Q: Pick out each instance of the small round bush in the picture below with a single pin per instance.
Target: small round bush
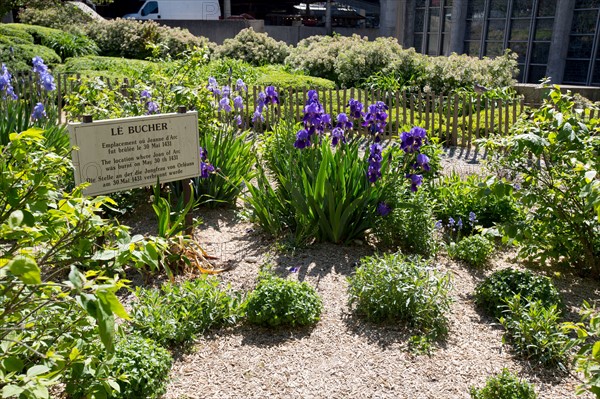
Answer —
(394, 288)
(504, 386)
(279, 302)
(255, 48)
(492, 293)
(474, 250)
(146, 365)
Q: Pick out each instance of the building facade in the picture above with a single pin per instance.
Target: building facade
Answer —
(559, 39)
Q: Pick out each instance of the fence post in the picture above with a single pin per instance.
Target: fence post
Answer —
(454, 140)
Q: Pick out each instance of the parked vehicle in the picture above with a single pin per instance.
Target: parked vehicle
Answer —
(178, 10)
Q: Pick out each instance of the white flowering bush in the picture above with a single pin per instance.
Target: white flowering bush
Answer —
(255, 48)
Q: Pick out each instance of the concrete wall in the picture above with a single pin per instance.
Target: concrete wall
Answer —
(534, 94)
(293, 34)
(217, 31)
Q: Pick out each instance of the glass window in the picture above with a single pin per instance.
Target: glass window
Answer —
(520, 75)
(418, 42)
(445, 44)
(498, 8)
(419, 20)
(519, 29)
(520, 48)
(536, 73)
(539, 53)
(496, 28)
(522, 8)
(420, 3)
(475, 9)
(576, 71)
(473, 30)
(447, 19)
(596, 75)
(580, 46)
(432, 45)
(472, 48)
(584, 21)
(543, 29)
(434, 20)
(587, 4)
(546, 8)
(493, 49)
(151, 7)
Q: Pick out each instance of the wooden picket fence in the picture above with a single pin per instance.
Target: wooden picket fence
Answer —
(456, 119)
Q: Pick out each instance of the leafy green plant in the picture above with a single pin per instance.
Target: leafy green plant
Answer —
(393, 288)
(492, 293)
(175, 313)
(554, 154)
(474, 250)
(505, 385)
(534, 331)
(587, 359)
(279, 302)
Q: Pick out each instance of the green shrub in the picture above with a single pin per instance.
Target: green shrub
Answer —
(492, 293)
(136, 39)
(474, 250)
(254, 47)
(18, 56)
(456, 197)
(175, 313)
(562, 222)
(16, 30)
(271, 75)
(65, 16)
(393, 288)
(504, 386)
(279, 302)
(534, 331)
(110, 67)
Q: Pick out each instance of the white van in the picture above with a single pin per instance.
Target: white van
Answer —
(178, 10)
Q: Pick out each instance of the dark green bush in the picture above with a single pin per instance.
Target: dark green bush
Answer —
(504, 386)
(534, 330)
(63, 43)
(111, 67)
(16, 30)
(393, 288)
(175, 313)
(19, 58)
(279, 302)
(474, 250)
(492, 293)
(274, 76)
(254, 47)
(139, 365)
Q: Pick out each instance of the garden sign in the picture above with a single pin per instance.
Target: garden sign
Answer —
(120, 154)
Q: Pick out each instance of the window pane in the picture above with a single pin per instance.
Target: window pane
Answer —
(434, 20)
(536, 73)
(580, 47)
(472, 48)
(496, 28)
(520, 29)
(473, 30)
(498, 8)
(419, 19)
(447, 19)
(546, 8)
(543, 29)
(522, 8)
(418, 43)
(493, 49)
(420, 3)
(576, 71)
(520, 75)
(539, 53)
(596, 76)
(432, 45)
(584, 21)
(520, 49)
(587, 3)
(445, 44)
(475, 9)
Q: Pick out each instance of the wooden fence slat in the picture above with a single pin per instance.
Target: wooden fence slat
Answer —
(455, 122)
(478, 116)
(470, 127)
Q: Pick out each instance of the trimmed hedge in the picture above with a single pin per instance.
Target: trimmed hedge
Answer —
(19, 59)
(109, 67)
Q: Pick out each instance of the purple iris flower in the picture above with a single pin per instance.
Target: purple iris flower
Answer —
(38, 65)
(240, 85)
(472, 217)
(459, 224)
(145, 94)
(238, 103)
(383, 209)
(238, 120)
(413, 140)
(302, 139)
(356, 108)
(258, 116)
(415, 182)
(438, 225)
(376, 119)
(423, 161)
(451, 222)
(294, 269)
(225, 91)
(337, 137)
(205, 170)
(203, 154)
(47, 81)
(5, 84)
(272, 97)
(224, 105)
(38, 112)
(343, 122)
(152, 108)
(375, 157)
